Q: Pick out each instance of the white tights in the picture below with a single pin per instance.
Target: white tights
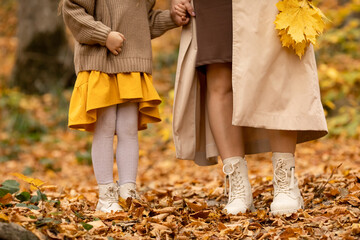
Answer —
(121, 119)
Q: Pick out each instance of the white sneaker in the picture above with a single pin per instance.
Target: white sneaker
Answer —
(287, 196)
(240, 195)
(128, 190)
(108, 198)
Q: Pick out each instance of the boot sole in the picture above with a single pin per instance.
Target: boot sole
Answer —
(284, 212)
(251, 209)
(287, 212)
(98, 208)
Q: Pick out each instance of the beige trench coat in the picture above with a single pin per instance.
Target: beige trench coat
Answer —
(272, 87)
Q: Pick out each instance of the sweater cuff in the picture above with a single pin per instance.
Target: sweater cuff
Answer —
(166, 20)
(100, 33)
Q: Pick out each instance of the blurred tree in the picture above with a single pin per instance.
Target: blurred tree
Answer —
(44, 60)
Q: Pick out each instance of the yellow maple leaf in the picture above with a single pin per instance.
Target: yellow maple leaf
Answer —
(300, 48)
(299, 23)
(286, 39)
(34, 182)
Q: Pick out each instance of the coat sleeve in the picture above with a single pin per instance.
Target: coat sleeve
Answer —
(78, 17)
(160, 21)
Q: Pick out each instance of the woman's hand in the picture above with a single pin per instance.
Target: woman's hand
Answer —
(180, 10)
(114, 42)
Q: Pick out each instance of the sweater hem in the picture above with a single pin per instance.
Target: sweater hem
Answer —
(114, 66)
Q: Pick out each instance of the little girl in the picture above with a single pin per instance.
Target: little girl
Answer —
(113, 92)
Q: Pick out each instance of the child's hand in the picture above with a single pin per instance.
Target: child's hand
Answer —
(114, 42)
(180, 11)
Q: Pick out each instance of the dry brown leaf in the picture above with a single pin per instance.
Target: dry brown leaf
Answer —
(6, 199)
(108, 216)
(159, 229)
(19, 218)
(229, 230)
(355, 228)
(197, 225)
(96, 224)
(196, 206)
(66, 228)
(351, 199)
(290, 233)
(161, 216)
(201, 214)
(165, 210)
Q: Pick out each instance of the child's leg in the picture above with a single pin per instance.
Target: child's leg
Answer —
(127, 152)
(102, 147)
(103, 160)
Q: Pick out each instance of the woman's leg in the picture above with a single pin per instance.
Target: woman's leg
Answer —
(102, 151)
(287, 196)
(228, 138)
(127, 151)
(282, 141)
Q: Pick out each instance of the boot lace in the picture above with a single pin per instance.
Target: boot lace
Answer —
(236, 186)
(281, 178)
(134, 194)
(111, 195)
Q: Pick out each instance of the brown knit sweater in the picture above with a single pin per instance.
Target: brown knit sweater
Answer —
(90, 21)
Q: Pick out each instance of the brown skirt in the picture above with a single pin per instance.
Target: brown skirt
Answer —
(213, 31)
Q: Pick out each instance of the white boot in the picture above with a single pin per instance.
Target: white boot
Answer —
(108, 198)
(287, 196)
(240, 195)
(128, 190)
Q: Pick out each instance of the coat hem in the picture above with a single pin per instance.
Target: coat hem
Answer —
(281, 122)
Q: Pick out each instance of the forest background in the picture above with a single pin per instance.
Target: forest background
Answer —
(47, 183)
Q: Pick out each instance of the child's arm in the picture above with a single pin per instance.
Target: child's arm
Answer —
(78, 16)
(160, 21)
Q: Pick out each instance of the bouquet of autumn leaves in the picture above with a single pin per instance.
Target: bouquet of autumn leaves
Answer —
(299, 23)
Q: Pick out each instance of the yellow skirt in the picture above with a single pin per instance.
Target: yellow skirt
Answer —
(94, 90)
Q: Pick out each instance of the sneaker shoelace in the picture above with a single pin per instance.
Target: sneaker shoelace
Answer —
(281, 178)
(236, 188)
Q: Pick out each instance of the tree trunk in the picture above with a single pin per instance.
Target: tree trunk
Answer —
(44, 61)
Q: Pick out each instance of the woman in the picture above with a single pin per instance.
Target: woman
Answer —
(262, 98)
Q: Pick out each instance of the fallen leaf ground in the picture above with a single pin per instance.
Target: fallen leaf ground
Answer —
(180, 200)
